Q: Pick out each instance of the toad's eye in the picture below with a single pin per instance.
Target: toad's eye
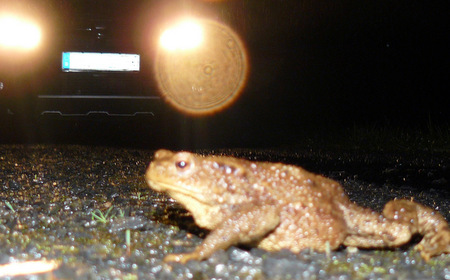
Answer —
(181, 164)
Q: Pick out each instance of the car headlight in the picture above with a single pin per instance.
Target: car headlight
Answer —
(186, 35)
(18, 33)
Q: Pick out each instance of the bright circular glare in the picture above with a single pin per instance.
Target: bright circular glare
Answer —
(206, 79)
(18, 33)
(184, 36)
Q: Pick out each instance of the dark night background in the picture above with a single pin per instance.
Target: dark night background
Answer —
(343, 63)
(316, 68)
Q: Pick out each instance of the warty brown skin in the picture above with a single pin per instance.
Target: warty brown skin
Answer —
(276, 206)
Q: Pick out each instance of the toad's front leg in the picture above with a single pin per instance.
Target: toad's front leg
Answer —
(243, 226)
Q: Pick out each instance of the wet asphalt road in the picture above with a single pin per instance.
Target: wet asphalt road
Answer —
(89, 209)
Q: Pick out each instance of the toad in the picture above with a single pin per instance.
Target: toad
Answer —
(276, 206)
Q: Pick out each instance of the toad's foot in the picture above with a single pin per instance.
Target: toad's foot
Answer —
(434, 244)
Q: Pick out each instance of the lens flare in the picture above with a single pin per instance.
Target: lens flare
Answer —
(186, 35)
(205, 77)
(18, 33)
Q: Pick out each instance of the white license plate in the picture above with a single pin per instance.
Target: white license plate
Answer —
(95, 61)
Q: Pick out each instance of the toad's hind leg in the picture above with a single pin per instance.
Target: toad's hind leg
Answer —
(369, 229)
(400, 220)
(424, 221)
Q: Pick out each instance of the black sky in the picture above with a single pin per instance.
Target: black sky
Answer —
(371, 59)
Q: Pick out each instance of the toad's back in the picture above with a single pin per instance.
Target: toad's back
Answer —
(287, 184)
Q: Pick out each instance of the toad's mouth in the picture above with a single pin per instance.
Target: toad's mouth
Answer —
(175, 191)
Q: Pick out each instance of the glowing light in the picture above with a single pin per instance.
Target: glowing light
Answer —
(184, 36)
(18, 33)
(205, 79)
